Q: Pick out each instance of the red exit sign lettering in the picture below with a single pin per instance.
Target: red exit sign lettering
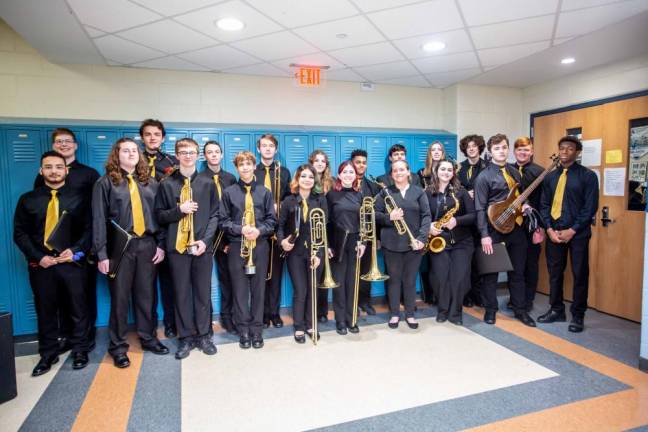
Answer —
(308, 76)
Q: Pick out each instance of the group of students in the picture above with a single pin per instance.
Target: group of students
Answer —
(179, 222)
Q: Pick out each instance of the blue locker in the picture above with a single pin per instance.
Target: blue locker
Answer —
(133, 134)
(98, 146)
(234, 143)
(201, 138)
(170, 139)
(419, 153)
(377, 161)
(327, 143)
(348, 144)
(295, 151)
(450, 145)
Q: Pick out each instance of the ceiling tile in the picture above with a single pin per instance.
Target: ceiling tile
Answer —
(374, 5)
(444, 79)
(168, 36)
(382, 52)
(315, 59)
(93, 32)
(343, 75)
(205, 20)
(172, 63)
(587, 20)
(418, 19)
(174, 7)
(387, 70)
(358, 31)
(219, 57)
(558, 41)
(294, 13)
(413, 81)
(455, 40)
(580, 4)
(111, 16)
(447, 63)
(498, 56)
(479, 12)
(258, 69)
(275, 46)
(513, 32)
(124, 51)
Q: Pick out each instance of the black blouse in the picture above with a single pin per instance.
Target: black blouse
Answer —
(289, 207)
(441, 203)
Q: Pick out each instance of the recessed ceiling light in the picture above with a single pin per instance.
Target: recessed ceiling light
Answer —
(230, 24)
(568, 60)
(341, 35)
(433, 46)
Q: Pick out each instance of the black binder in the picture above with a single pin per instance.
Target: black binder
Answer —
(498, 261)
(118, 241)
(60, 237)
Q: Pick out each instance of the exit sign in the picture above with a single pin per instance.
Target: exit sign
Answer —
(308, 76)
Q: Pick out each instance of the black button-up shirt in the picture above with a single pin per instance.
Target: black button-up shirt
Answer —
(368, 187)
(233, 207)
(464, 168)
(164, 164)
(530, 172)
(441, 203)
(491, 187)
(284, 179)
(287, 221)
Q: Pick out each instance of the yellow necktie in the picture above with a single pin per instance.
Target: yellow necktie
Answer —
(304, 209)
(511, 184)
(267, 183)
(185, 225)
(152, 165)
(249, 206)
(470, 172)
(136, 205)
(218, 186)
(520, 169)
(51, 218)
(556, 205)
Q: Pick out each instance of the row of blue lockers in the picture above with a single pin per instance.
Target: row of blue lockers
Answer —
(23, 145)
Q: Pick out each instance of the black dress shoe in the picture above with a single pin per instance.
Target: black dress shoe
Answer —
(184, 348)
(441, 317)
(245, 342)
(206, 345)
(323, 319)
(393, 325)
(266, 322)
(44, 365)
(156, 348)
(79, 360)
(300, 339)
(468, 302)
(121, 361)
(257, 342)
(552, 316)
(277, 322)
(354, 329)
(341, 329)
(525, 318)
(457, 322)
(412, 325)
(309, 333)
(576, 325)
(490, 317)
(170, 332)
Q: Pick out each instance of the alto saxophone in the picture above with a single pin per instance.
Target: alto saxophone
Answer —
(437, 244)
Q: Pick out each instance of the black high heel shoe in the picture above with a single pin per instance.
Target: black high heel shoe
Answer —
(300, 339)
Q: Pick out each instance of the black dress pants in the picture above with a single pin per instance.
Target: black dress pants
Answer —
(192, 282)
(344, 274)
(65, 315)
(300, 275)
(135, 279)
(225, 286)
(248, 291)
(452, 268)
(578, 249)
(474, 282)
(516, 245)
(322, 298)
(531, 271)
(273, 286)
(50, 285)
(402, 268)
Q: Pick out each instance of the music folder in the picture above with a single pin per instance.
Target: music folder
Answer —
(118, 241)
(60, 237)
(498, 261)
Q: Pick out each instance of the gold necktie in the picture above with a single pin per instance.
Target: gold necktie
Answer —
(218, 186)
(511, 184)
(249, 206)
(185, 225)
(136, 205)
(470, 172)
(556, 205)
(304, 209)
(520, 169)
(51, 218)
(152, 165)
(267, 183)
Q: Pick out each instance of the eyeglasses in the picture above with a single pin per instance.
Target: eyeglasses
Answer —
(64, 141)
(187, 153)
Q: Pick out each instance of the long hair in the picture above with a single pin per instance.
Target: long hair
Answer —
(338, 183)
(294, 183)
(325, 178)
(430, 164)
(113, 169)
(454, 181)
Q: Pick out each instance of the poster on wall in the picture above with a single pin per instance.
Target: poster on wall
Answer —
(638, 164)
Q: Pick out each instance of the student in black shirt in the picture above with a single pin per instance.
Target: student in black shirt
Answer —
(396, 152)
(344, 202)
(53, 271)
(451, 266)
(221, 180)
(160, 165)
(246, 195)
(493, 185)
(368, 189)
(125, 195)
(435, 154)
(265, 173)
(568, 204)
(81, 178)
(187, 207)
(298, 250)
(402, 254)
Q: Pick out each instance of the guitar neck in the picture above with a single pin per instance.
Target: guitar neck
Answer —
(529, 190)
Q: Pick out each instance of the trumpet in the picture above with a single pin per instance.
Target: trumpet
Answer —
(276, 194)
(247, 246)
(436, 244)
(401, 225)
(186, 224)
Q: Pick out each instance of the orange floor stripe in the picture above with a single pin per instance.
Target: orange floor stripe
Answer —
(109, 399)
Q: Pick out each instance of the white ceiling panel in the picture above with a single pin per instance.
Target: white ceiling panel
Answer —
(498, 56)
(175, 7)
(168, 36)
(172, 63)
(275, 46)
(296, 13)
(205, 21)
(418, 19)
(259, 69)
(343, 75)
(444, 79)
(480, 12)
(413, 81)
(219, 57)
(587, 20)
(455, 40)
(513, 32)
(580, 4)
(387, 71)
(314, 59)
(358, 31)
(382, 52)
(558, 41)
(374, 5)
(447, 63)
(111, 16)
(93, 32)
(123, 51)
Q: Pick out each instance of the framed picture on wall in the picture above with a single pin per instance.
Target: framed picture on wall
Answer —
(637, 164)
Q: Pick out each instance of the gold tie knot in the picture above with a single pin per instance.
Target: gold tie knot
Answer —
(54, 192)
(151, 160)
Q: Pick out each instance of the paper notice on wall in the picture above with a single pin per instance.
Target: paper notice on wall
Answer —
(591, 154)
(613, 156)
(614, 181)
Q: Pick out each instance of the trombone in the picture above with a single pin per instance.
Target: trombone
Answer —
(247, 246)
(276, 194)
